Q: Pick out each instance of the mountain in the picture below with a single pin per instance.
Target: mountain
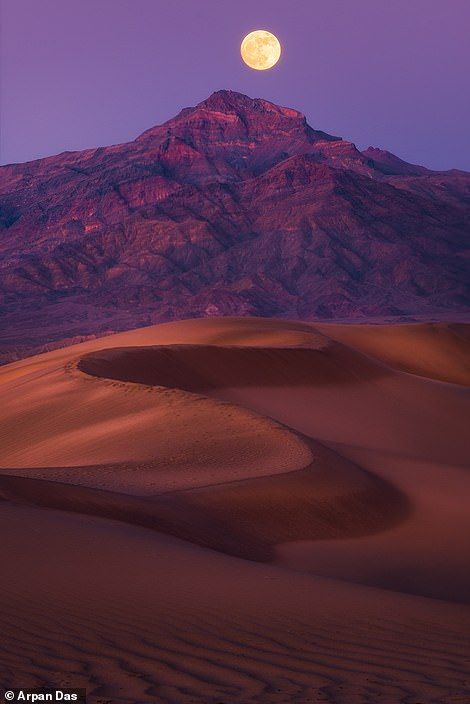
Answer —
(234, 207)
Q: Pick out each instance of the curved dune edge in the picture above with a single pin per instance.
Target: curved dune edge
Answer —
(233, 331)
(203, 368)
(68, 426)
(247, 518)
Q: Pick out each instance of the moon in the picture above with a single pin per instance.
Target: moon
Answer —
(260, 50)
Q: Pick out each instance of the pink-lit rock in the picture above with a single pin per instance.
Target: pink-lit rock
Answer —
(235, 207)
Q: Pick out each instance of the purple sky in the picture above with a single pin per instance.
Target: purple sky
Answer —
(387, 73)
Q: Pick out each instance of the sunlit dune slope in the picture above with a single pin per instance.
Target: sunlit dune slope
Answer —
(53, 416)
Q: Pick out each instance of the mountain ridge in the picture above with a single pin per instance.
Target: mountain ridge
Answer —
(233, 207)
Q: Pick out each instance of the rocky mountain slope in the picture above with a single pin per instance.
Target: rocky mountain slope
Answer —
(234, 207)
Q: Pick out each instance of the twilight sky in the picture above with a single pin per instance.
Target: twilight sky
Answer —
(387, 73)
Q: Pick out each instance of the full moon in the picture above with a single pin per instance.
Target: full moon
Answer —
(260, 50)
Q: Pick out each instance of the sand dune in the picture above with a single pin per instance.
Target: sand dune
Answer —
(240, 510)
(140, 441)
(435, 350)
(409, 431)
(331, 498)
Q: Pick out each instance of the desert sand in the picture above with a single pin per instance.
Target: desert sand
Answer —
(240, 510)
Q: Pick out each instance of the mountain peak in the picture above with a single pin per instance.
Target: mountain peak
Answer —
(229, 101)
(252, 115)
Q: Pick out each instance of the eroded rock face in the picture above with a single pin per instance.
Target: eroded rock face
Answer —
(234, 207)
